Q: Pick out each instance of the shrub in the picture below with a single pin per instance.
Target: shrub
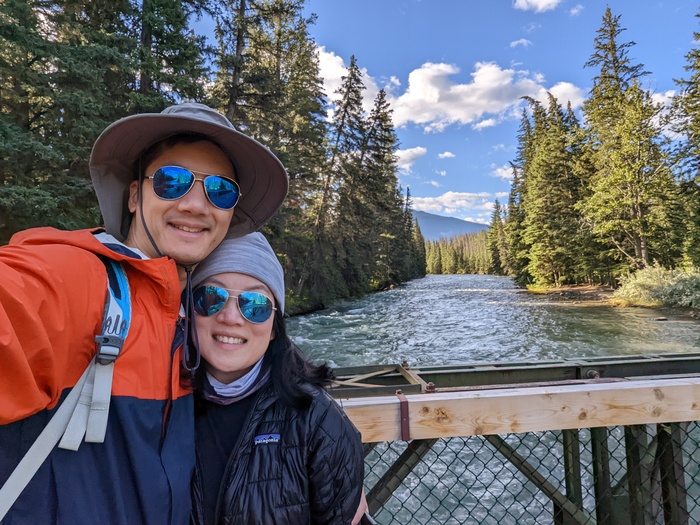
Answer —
(656, 286)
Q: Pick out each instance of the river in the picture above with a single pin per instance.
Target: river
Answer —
(456, 319)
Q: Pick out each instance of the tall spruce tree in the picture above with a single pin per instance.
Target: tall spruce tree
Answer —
(339, 251)
(631, 189)
(384, 204)
(169, 57)
(58, 61)
(497, 242)
(550, 223)
(518, 253)
(687, 124)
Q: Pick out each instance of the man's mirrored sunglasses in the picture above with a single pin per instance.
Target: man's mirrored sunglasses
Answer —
(173, 182)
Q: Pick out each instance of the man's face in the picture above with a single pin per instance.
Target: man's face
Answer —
(187, 229)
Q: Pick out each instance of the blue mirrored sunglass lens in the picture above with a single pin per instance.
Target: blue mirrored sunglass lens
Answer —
(255, 307)
(172, 182)
(222, 192)
(208, 300)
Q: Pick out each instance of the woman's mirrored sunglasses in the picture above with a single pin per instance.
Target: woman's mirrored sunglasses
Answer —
(173, 182)
(254, 306)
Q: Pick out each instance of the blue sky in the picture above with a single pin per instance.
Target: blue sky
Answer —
(455, 71)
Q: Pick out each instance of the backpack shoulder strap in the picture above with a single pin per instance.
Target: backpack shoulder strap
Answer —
(84, 411)
(89, 419)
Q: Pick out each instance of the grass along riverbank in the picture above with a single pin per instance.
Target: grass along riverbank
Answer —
(656, 286)
(653, 287)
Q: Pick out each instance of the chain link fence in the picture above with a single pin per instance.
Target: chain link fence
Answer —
(634, 475)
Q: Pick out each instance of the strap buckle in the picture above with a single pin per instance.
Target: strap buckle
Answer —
(108, 348)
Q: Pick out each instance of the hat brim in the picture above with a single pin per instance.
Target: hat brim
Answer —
(261, 176)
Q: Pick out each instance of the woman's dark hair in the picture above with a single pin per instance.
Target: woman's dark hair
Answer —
(289, 367)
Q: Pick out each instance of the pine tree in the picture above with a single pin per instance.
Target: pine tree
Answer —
(518, 255)
(57, 62)
(687, 123)
(496, 241)
(632, 186)
(347, 139)
(384, 213)
(551, 222)
(169, 56)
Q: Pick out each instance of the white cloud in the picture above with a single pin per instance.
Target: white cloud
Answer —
(446, 155)
(521, 42)
(442, 173)
(664, 98)
(434, 101)
(538, 6)
(576, 10)
(331, 68)
(434, 183)
(567, 92)
(453, 203)
(502, 172)
(407, 157)
(486, 123)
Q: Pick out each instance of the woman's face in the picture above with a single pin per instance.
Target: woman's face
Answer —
(229, 343)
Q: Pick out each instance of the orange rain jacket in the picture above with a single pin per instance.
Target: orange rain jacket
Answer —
(52, 297)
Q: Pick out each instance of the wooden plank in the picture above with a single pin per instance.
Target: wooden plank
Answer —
(501, 411)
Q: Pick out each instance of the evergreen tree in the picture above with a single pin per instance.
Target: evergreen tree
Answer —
(347, 140)
(384, 206)
(169, 58)
(687, 123)
(56, 60)
(341, 201)
(518, 255)
(496, 242)
(550, 222)
(632, 185)
(419, 255)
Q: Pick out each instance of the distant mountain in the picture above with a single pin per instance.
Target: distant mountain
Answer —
(435, 226)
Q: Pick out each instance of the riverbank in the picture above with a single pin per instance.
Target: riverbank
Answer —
(598, 295)
(594, 295)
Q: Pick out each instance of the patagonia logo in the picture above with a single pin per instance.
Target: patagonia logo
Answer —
(266, 438)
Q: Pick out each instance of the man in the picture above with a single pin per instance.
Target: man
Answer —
(171, 186)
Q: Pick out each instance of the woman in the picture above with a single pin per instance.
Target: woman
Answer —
(272, 446)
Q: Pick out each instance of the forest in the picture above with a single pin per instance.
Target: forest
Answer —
(596, 198)
(69, 68)
(598, 192)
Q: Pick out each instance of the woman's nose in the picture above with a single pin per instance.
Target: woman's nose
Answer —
(230, 314)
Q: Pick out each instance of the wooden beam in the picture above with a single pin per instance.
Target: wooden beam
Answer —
(517, 410)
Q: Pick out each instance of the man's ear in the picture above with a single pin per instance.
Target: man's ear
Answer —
(133, 196)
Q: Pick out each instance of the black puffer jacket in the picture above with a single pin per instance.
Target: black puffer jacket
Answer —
(290, 466)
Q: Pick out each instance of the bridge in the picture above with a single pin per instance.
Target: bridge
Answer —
(610, 440)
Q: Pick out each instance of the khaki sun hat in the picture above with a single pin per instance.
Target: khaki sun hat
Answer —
(260, 175)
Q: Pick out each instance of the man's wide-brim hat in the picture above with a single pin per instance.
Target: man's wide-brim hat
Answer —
(114, 164)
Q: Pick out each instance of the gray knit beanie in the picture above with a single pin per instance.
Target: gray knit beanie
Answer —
(251, 255)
